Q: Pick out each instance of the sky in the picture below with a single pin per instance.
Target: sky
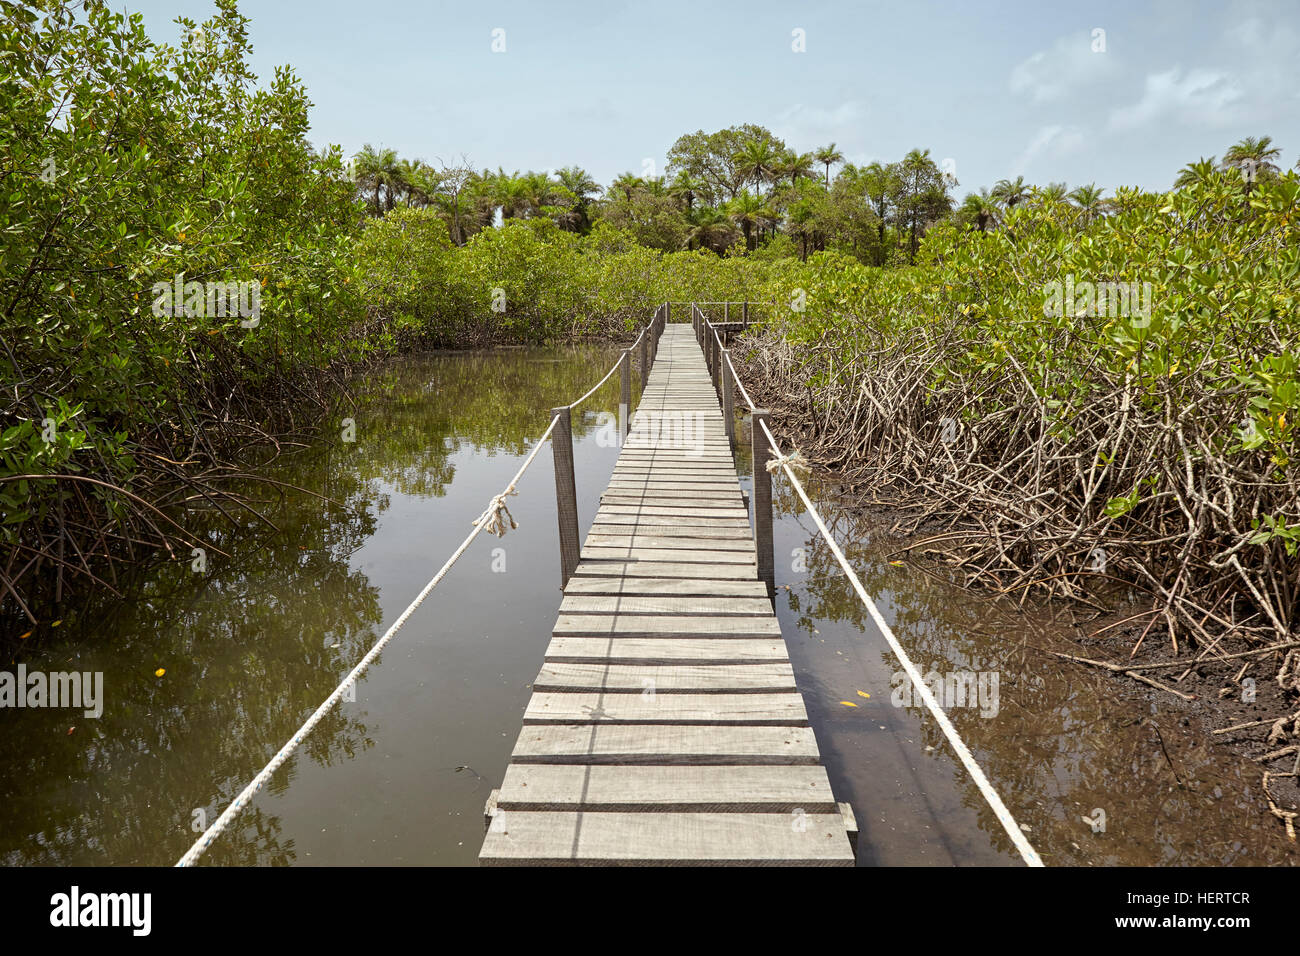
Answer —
(1121, 93)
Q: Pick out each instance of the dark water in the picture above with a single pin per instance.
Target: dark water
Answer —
(251, 645)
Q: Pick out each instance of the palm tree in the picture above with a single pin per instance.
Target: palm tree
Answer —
(539, 193)
(796, 165)
(686, 188)
(828, 156)
(1253, 153)
(380, 172)
(578, 183)
(627, 183)
(1090, 202)
(1009, 192)
(748, 211)
(1196, 173)
(981, 209)
(757, 161)
(507, 192)
(710, 229)
(1049, 195)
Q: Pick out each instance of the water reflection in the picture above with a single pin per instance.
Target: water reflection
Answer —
(1063, 743)
(252, 645)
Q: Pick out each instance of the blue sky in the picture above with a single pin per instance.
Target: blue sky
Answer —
(998, 89)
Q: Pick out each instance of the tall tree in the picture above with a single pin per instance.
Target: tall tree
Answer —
(579, 185)
(1011, 192)
(1090, 202)
(829, 156)
(379, 172)
(757, 161)
(1254, 156)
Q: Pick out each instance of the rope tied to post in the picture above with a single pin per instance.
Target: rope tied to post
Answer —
(795, 461)
(496, 516)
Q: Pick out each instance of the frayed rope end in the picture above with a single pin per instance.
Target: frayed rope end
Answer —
(795, 460)
(497, 516)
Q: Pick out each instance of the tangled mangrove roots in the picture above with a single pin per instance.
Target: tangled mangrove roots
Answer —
(80, 523)
(1025, 502)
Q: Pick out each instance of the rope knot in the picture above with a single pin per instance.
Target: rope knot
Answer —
(795, 460)
(497, 516)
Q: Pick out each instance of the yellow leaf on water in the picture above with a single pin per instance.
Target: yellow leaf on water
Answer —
(56, 623)
(863, 693)
(159, 672)
(897, 564)
(23, 637)
(848, 703)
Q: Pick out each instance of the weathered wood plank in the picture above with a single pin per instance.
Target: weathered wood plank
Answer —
(618, 568)
(560, 677)
(637, 553)
(665, 625)
(719, 539)
(678, 789)
(666, 650)
(715, 606)
(679, 587)
(711, 839)
(606, 744)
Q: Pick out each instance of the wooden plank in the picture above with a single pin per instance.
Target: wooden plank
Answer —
(715, 606)
(710, 505)
(666, 839)
(665, 625)
(625, 553)
(683, 524)
(677, 789)
(680, 587)
(561, 677)
(764, 710)
(663, 569)
(612, 744)
(715, 540)
(666, 650)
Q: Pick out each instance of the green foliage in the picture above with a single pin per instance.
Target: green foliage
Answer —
(128, 164)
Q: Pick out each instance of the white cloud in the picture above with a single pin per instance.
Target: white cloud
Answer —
(1201, 97)
(1053, 142)
(1068, 64)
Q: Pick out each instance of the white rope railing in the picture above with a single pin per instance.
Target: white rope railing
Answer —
(1027, 852)
(622, 358)
(493, 520)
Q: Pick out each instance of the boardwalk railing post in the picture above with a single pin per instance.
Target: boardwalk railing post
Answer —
(566, 493)
(744, 314)
(728, 400)
(763, 503)
(625, 395)
(717, 362)
(645, 359)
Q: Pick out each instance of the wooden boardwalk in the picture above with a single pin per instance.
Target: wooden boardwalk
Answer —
(665, 726)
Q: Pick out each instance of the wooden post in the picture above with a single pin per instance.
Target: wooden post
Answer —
(744, 314)
(763, 502)
(726, 312)
(716, 349)
(728, 400)
(625, 394)
(566, 494)
(645, 361)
